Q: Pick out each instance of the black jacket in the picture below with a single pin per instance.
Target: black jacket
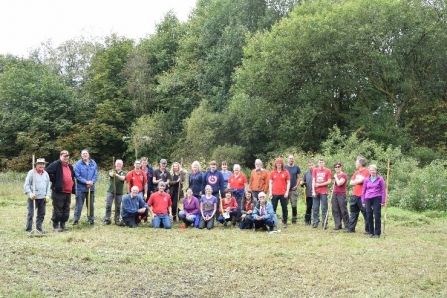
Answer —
(54, 169)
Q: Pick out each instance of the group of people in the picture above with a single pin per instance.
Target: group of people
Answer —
(212, 196)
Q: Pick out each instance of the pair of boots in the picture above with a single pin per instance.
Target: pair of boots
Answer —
(59, 228)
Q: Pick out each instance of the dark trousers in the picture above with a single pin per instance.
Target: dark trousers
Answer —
(209, 224)
(110, 198)
(308, 216)
(374, 215)
(132, 221)
(61, 207)
(41, 208)
(263, 223)
(283, 202)
(340, 210)
(355, 207)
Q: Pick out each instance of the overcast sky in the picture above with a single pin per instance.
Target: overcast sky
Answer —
(25, 24)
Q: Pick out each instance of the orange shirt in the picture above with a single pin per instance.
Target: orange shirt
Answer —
(259, 180)
(279, 181)
(358, 188)
(237, 183)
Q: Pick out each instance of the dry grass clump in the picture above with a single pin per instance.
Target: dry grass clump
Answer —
(109, 261)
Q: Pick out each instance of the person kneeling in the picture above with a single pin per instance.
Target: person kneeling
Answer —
(228, 209)
(263, 214)
(208, 207)
(160, 207)
(190, 208)
(133, 208)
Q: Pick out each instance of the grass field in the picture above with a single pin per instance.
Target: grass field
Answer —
(109, 261)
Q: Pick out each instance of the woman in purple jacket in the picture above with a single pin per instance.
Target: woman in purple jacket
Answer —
(373, 198)
(191, 208)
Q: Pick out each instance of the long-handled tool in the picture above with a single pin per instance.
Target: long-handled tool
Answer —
(114, 187)
(386, 193)
(88, 203)
(327, 212)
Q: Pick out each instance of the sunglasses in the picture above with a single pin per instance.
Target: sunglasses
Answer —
(337, 167)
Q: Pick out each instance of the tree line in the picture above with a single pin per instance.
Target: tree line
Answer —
(241, 79)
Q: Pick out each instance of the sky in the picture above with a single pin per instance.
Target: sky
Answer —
(25, 24)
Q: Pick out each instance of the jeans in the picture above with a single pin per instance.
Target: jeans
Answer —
(187, 219)
(355, 207)
(374, 214)
(283, 202)
(233, 215)
(81, 197)
(316, 208)
(109, 202)
(161, 219)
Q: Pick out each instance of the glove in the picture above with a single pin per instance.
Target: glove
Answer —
(145, 197)
(47, 198)
(32, 196)
(112, 174)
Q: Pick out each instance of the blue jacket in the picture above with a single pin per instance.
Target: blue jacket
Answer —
(215, 180)
(84, 173)
(195, 183)
(270, 214)
(131, 205)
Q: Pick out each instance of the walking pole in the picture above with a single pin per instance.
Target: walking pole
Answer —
(88, 203)
(386, 193)
(34, 229)
(114, 186)
(327, 212)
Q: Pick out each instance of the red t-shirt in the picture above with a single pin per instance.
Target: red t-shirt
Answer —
(160, 202)
(279, 182)
(134, 179)
(232, 204)
(237, 183)
(358, 188)
(341, 190)
(320, 176)
(67, 179)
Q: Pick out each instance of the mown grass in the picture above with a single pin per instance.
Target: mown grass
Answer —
(109, 261)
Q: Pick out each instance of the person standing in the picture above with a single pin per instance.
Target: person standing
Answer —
(175, 187)
(279, 185)
(133, 208)
(225, 173)
(137, 177)
(338, 200)
(160, 207)
(237, 183)
(307, 183)
(321, 178)
(195, 179)
(63, 184)
(295, 173)
(115, 192)
(37, 188)
(162, 175)
(355, 205)
(214, 178)
(373, 198)
(147, 168)
(86, 173)
(259, 179)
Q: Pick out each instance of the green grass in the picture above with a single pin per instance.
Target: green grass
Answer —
(109, 261)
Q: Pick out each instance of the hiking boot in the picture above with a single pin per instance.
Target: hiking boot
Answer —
(57, 229)
(315, 225)
(91, 222)
(284, 226)
(121, 224)
(107, 222)
(63, 227)
(75, 222)
(41, 231)
(348, 231)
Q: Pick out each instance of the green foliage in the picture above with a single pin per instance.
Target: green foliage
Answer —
(231, 154)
